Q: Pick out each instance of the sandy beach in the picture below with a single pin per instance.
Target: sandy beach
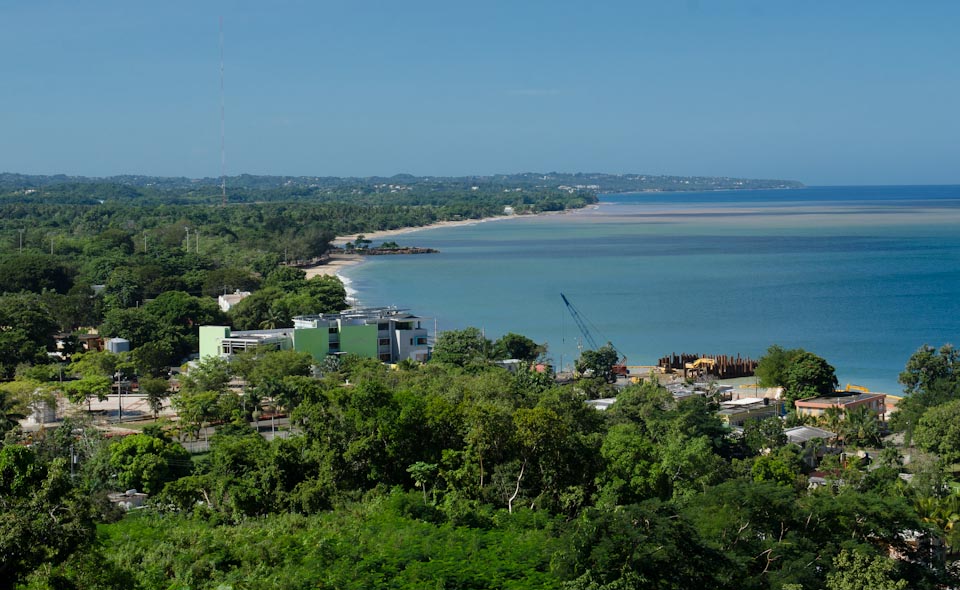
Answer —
(340, 261)
(379, 236)
(333, 266)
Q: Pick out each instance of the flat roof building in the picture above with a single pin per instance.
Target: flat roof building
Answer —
(387, 334)
(817, 406)
(736, 413)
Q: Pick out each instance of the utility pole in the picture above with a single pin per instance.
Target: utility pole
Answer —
(188, 238)
(21, 239)
(198, 240)
(119, 399)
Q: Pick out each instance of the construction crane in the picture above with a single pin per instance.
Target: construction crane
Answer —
(620, 368)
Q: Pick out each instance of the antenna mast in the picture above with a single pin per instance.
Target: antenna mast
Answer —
(223, 142)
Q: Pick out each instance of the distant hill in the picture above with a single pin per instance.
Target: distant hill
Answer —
(580, 181)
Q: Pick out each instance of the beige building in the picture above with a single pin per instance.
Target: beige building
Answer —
(817, 406)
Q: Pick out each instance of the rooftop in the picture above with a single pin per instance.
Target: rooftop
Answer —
(839, 399)
(802, 434)
(361, 313)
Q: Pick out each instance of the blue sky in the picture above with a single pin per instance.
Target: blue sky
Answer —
(821, 92)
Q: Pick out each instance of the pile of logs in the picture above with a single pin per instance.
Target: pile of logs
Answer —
(726, 367)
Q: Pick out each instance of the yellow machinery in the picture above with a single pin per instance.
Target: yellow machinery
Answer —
(699, 366)
(851, 387)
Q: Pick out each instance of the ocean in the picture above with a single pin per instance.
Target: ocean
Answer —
(860, 275)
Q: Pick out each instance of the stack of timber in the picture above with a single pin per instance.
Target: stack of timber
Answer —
(725, 367)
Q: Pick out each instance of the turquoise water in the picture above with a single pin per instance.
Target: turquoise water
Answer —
(859, 275)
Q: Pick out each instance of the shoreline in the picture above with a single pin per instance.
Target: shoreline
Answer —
(341, 261)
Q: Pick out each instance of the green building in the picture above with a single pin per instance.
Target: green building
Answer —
(383, 333)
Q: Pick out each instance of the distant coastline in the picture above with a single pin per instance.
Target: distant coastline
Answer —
(340, 261)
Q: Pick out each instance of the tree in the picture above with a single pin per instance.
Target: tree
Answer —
(251, 312)
(772, 367)
(44, 518)
(861, 427)
(197, 408)
(326, 294)
(133, 324)
(88, 387)
(931, 377)
(286, 278)
(855, 570)
(11, 412)
(209, 374)
(808, 375)
(462, 347)
(123, 288)
(156, 390)
(932, 373)
(34, 272)
(227, 280)
(278, 364)
(599, 363)
(16, 348)
(182, 313)
(515, 346)
(628, 476)
(938, 431)
(764, 434)
(26, 331)
(146, 463)
(153, 359)
(422, 474)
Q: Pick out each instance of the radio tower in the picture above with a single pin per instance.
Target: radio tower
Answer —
(223, 141)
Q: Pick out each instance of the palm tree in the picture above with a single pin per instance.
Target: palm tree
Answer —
(832, 420)
(943, 515)
(273, 320)
(861, 427)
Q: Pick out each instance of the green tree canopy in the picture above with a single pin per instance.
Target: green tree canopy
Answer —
(599, 363)
(34, 272)
(462, 347)
(931, 377)
(515, 346)
(808, 375)
(938, 431)
(772, 367)
(146, 463)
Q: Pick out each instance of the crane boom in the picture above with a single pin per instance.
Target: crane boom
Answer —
(620, 368)
(580, 323)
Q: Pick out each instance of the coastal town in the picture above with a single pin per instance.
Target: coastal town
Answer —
(269, 394)
(480, 296)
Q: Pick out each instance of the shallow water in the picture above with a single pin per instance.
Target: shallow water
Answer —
(859, 275)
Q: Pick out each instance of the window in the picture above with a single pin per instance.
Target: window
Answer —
(384, 342)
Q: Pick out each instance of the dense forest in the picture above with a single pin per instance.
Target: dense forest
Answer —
(457, 473)
(142, 261)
